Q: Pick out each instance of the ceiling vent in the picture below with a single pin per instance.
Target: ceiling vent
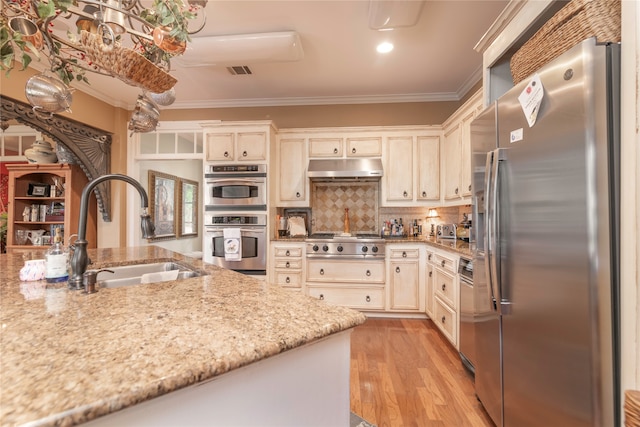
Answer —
(389, 14)
(207, 51)
(239, 70)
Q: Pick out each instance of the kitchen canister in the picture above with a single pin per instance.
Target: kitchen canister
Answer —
(34, 269)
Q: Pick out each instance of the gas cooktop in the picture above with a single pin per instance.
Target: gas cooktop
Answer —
(359, 245)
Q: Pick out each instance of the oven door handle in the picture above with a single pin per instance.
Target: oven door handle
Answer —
(238, 180)
(242, 230)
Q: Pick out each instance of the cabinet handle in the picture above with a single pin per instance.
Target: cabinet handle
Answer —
(368, 298)
(457, 190)
(353, 150)
(431, 274)
(397, 269)
(322, 297)
(287, 264)
(424, 194)
(429, 257)
(444, 286)
(469, 187)
(442, 263)
(368, 273)
(322, 271)
(298, 194)
(288, 280)
(405, 194)
(244, 154)
(335, 151)
(404, 254)
(287, 253)
(226, 154)
(443, 319)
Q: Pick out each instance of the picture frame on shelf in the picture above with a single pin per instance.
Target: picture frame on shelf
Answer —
(163, 197)
(188, 206)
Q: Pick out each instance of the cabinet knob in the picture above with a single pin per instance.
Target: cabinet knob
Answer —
(397, 269)
(288, 280)
(469, 187)
(429, 257)
(287, 264)
(368, 298)
(424, 194)
(335, 151)
(431, 274)
(444, 286)
(368, 273)
(353, 150)
(405, 194)
(298, 194)
(322, 297)
(457, 190)
(244, 154)
(442, 263)
(443, 319)
(322, 271)
(404, 254)
(287, 253)
(226, 154)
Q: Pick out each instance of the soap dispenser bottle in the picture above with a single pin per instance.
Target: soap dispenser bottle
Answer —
(57, 259)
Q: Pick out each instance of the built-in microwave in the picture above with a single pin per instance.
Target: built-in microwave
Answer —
(236, 187)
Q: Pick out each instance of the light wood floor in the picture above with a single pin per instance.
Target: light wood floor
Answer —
(404, 373)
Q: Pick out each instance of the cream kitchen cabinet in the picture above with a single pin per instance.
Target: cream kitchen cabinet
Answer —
(446, 294)
(326, 147)
(411, 163)
(405, 281)
(358, 284)
(287, 264)
(428, 278)
(292, 182)
(457, 150)
(364, 146)
(238, 141)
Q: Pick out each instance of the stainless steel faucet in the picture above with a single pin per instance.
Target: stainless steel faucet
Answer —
(80, 259)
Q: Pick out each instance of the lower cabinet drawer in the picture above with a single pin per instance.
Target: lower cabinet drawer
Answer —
(444, 285)
(294, 264)
(445, 319)
(361, 298)
(288, 278)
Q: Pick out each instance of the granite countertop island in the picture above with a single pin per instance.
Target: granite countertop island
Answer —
(67, 357)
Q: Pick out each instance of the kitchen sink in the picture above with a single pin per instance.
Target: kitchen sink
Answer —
(127, 275)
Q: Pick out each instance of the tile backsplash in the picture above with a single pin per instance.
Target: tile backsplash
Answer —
(329, 200)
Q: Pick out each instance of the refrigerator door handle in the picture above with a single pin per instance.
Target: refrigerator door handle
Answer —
(488, 229)
(500, 305)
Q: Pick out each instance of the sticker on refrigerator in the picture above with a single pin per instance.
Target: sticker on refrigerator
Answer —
(516, 135)
(531, 98)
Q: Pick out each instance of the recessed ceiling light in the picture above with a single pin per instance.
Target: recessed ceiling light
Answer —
(384, 47)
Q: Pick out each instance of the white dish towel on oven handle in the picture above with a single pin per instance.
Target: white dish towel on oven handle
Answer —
(232, 244)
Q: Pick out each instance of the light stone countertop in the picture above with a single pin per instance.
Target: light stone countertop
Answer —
(67, 357)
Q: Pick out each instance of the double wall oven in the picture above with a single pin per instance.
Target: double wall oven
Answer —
(236, 199)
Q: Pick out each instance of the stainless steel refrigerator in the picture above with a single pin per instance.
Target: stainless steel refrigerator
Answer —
(545, 162)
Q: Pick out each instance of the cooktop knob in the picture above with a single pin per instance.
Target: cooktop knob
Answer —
(365, 249)
(374, 249)
(315, 248)
(325, 248)
(340, 248)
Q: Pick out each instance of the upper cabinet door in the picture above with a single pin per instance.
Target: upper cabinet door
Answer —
(219, 147)
(452, 164)
(292, 177)
(465, 149)
(398, 174)
(326, 147)
(364, 147)
(428, 168)
(252, 146)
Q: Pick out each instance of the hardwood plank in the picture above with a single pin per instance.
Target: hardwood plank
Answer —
(404, 373)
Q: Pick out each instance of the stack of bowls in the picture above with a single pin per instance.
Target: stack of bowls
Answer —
(41, 152)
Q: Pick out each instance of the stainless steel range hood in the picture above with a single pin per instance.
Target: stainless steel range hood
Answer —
(343, 169)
